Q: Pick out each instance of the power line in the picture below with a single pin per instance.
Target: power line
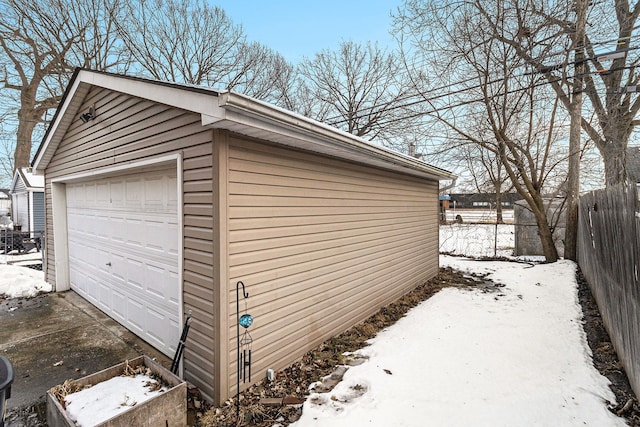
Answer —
(467, 102)
(564, 52)
(361, 114)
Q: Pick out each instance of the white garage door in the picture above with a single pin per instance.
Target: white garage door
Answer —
(123, 251)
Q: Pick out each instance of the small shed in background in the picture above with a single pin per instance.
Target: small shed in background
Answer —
(27, 201)
(527, 239)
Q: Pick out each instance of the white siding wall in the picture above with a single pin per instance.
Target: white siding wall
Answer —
(20, 210)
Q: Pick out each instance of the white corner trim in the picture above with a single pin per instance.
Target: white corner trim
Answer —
(180, 214)
(31, 213)
(60, 235)
(63, 109)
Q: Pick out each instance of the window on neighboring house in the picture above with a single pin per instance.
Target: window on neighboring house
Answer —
(506, 204)
(480, 204)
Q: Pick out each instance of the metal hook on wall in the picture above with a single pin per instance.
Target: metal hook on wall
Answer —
(244, 356)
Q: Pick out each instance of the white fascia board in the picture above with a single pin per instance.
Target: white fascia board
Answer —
(198, 100)
(248, 111)
(14, 181)
(50, 136)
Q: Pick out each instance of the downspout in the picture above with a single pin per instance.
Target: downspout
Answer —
(443, 212)
(450, 186)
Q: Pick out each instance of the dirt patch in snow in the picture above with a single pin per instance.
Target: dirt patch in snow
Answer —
(605, 358)
(293, 383)
(262, 404)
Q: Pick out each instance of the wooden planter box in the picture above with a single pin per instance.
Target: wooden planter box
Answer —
(166, 409)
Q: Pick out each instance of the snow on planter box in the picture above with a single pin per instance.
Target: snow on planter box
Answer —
(139, 392)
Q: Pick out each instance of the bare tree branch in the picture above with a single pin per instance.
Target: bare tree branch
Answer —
(41, 42)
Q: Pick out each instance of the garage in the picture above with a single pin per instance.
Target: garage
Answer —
(322, 227)
(123, 251)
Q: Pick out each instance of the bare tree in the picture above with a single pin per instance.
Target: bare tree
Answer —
(6, 153)
(606, 61)
(182, 40)
(496, 107)
(192, 42)
(41, 42)
(358, 89)
(488, 174)
(603, 67)
(263, 74)
(6, 163)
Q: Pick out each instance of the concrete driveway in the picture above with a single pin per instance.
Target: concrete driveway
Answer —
(54, 337)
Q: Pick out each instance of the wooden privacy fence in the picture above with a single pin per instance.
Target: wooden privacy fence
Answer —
(608, 233)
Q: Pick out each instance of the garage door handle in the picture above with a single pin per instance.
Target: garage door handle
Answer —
(109, 264)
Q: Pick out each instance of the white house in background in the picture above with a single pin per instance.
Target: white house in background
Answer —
(27, 201)
(5, 202)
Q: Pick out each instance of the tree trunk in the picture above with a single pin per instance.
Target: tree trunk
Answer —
(615, 164)
(26, 125)
(573, 181)
(544, 230)
(499, 218)
(546, 238)
(575, 128)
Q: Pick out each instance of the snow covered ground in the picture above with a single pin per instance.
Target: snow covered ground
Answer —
(511, 357)
(19, 281)
(109, 398)
(517, 356)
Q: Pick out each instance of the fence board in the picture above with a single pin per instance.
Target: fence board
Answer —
(608, 236)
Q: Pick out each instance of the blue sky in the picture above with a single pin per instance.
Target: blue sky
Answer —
(302, 28)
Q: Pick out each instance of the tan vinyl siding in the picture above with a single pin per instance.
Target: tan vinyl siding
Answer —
(198, 230)
(129, 129)
(321, 245)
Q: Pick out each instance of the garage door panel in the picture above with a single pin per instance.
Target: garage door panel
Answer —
(100, 224)
(102, 194)
(123, 251)
(157, 236)
(80, 285)
(135, 233)
(132, 192)
(118, 307)
(136, 315)
(90, 194)
(154, 194)
(91, 287)
(136, 276)
(105, 296)
(117, 194)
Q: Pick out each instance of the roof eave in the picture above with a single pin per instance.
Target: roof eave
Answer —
(235, 112)
(288, 128)
(198, 100)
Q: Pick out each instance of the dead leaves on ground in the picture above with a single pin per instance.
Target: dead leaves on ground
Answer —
(319, 363)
